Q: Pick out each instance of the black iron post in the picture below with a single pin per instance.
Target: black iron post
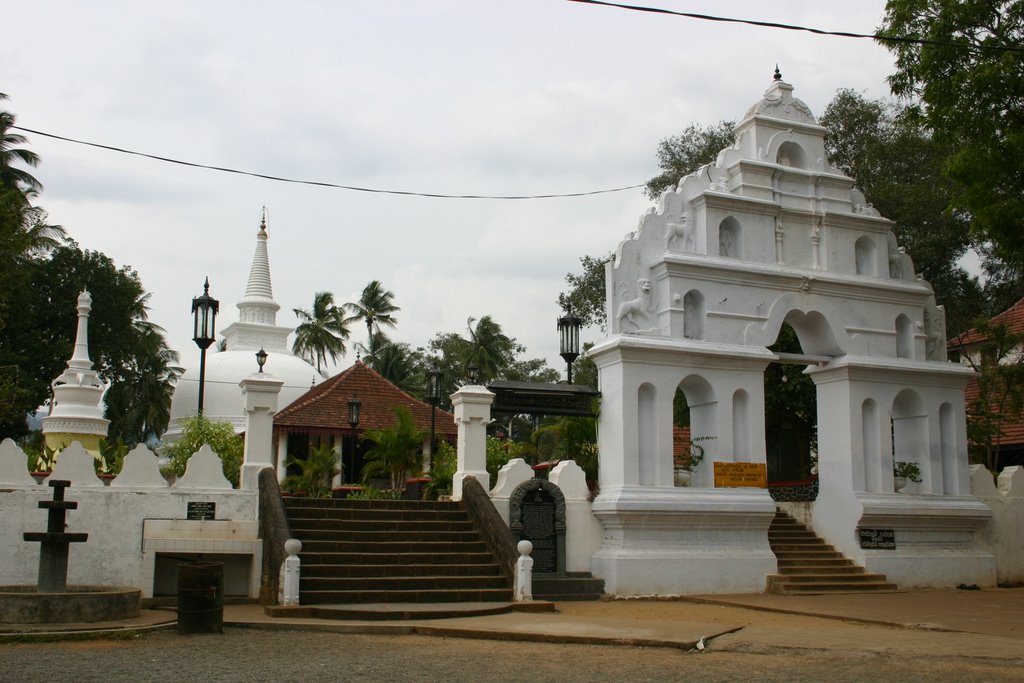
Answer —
(569, 341)
(204, 320)
(353, 422)
(433, 396)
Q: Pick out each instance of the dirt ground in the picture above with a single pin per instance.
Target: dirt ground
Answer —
(767, 647)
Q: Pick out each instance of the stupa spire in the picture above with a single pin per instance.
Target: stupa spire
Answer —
(259, 286)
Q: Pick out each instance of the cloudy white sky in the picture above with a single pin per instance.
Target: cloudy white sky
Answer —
(444, 96)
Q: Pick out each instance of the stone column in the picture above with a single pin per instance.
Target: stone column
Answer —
(472, 407)
(259, 393)
(282, 455)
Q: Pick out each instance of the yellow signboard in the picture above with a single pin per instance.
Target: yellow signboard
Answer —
(737, 474)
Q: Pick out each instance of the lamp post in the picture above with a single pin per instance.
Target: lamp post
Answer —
(433, 396)
(204, 318)
(569, 340)
(473, 373)
(261, 358)
(353, 422)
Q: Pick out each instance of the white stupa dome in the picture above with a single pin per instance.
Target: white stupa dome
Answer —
(256, 329)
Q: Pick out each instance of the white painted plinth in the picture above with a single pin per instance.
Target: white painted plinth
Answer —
(670, 541)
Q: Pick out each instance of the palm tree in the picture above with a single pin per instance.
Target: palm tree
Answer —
(374, 308)
(322, 332)
(490, 349)
(396, 451)
(398, 363)
(11, 177)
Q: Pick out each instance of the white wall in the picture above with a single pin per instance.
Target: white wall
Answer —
(1004, 534)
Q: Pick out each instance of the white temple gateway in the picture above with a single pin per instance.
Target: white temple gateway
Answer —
(256, 328)
(768, 234)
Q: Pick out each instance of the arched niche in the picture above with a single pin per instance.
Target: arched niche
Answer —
(730, 238)
(865, 256)
(694, 315)
(536, 512)
(791, 154)
(904, 336)
(909, 428)
(741, 438)
(647, 434)
(947, 448)
(871, 437)
(702, 406)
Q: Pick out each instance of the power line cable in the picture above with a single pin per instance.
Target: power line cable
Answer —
(794, 27)
(316, 183)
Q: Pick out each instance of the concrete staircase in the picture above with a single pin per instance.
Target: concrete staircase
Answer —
(809, 566)
(392, 551)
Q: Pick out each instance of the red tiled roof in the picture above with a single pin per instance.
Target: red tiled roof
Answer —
(324, 408)
(1012, 432)
(1012, 318)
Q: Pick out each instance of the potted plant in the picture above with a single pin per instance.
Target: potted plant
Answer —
(904, 471)
(683, 470)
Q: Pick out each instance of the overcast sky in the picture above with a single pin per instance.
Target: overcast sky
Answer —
(442, 96)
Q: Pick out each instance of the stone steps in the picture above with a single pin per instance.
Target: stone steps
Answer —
(392, 552)
(808, 565)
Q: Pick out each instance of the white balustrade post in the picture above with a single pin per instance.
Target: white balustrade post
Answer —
(259, 393)
(292, 571)
(472, 407)
(524, 572)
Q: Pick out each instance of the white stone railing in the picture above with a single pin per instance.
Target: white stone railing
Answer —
(1004, 534)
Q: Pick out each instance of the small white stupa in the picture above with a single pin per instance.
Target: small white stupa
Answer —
(256, 329)
(77, 413)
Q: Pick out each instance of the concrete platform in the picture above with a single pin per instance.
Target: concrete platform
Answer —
(993, 614)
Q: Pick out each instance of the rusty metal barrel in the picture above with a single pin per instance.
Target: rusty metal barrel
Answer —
(201, 597)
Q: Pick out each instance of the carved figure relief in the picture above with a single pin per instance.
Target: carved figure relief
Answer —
(681, 233)
(633, 314)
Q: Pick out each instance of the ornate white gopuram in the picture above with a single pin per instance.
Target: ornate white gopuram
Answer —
(770, 233)
(77, 413)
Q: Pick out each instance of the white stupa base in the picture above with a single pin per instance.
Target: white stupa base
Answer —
(672, 541)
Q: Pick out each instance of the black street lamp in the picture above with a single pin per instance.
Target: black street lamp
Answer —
(473, 373)
(569, 340)
(261, 358)
(433, 396)
(353, 422)
(204, 319)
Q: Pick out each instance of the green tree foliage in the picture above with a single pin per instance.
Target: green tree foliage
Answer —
(998, 360)
(681, 155)
(197, 431)
(315, 472)
(322, 331)
(400, 364)
(11, 176)
(971, 95)
(395, 452)
(899, 164)
(570, 438)
(496, 355)
(586, 295)
(375, 308)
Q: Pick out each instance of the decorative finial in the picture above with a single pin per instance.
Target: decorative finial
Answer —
(263, 219)
(778, 74)
(206, 285)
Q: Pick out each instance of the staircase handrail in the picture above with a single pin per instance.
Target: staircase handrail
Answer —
(274, 530)
(493, 530)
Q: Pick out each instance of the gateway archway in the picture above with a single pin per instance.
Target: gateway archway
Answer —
(768, 235)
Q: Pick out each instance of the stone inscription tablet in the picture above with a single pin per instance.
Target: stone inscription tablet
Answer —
(877, 539)
(538, 518)
(201, 510)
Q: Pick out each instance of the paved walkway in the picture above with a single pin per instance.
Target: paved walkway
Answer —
(947, 622)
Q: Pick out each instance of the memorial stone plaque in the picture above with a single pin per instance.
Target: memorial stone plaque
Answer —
(201, 510)
(537, 515)
(877, 539)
